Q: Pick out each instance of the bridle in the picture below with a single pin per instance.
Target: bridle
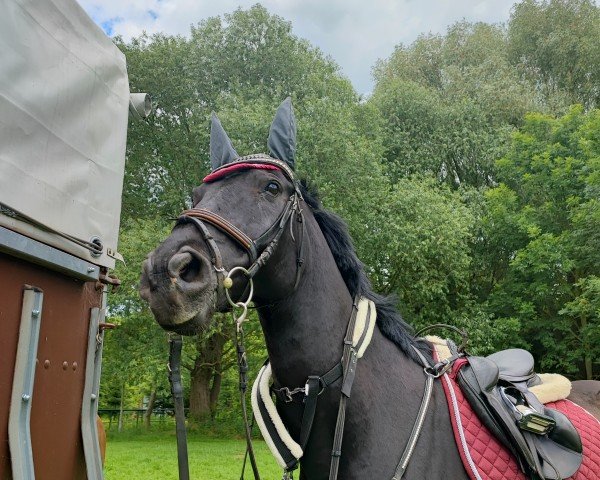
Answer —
(259, 251)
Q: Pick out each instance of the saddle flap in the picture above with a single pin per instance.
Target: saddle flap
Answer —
(561, 452)
(477, 399)
(485, 371)
(564, 433)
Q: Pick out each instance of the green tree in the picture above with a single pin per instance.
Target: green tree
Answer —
(544, 219)
(135, 353)
(245, 59)
(556, 44)
(424, 134)
(448, 103)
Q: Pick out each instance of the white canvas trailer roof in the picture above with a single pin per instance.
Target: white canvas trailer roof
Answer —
(64, 98)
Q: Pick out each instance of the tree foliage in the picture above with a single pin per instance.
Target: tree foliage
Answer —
(447, 104)
(556, 43)
(549, 197)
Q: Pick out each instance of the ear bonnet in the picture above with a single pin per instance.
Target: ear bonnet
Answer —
(281, 142)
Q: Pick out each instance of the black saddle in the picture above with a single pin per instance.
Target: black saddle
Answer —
(544, 441)
(514, 365)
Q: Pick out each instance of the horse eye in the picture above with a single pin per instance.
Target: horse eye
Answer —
(273, 188)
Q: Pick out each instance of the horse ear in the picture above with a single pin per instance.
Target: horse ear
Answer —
(282, 135)
(221, 149)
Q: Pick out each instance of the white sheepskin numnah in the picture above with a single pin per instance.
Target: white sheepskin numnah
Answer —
(441, 347)
(554, 387)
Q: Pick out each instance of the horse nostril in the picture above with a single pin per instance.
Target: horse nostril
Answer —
(190, 272)
(184, 265)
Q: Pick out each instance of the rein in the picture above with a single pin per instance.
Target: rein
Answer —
(174, 367)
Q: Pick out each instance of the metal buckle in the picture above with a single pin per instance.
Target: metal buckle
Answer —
(438, 369)
(288, 475)
(287, 393)
(307, 388)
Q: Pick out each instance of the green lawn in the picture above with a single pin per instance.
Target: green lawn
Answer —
(154, 457)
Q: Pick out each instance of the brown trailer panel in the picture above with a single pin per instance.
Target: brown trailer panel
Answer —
(60, 365)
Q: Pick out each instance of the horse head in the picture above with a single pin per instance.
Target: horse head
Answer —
(240, 212)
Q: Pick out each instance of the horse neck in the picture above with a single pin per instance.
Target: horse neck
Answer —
(304, 333)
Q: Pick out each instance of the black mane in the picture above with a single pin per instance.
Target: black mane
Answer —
(336, 233)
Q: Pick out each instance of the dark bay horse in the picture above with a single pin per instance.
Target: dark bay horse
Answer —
(304, 303)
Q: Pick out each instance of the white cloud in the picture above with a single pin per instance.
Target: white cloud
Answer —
(354, 32)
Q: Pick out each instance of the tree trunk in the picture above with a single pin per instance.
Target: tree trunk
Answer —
(149, 408)
(589, 373)
(215, 389)
(206, 377)
(587, 358)
(120, 426)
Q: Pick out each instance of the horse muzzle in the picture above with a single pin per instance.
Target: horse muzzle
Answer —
(180, 289)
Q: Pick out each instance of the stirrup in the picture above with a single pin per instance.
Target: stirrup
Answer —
(527, 418)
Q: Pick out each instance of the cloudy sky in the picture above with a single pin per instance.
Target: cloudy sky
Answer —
(354, 32)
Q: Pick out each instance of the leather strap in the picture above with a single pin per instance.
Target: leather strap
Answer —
(315, 385)
(216, 258)
(265, 244)
(349, 369)
(243, 384)
(268, 246)
(175, 343)
(418, 425)
(310, 406)
(260, 158)
(226, 227)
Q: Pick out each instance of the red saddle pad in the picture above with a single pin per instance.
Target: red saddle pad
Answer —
(485, 458)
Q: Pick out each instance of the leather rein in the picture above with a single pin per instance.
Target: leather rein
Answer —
(259, 251)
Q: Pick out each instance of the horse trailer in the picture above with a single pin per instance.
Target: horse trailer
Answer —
(64, 104)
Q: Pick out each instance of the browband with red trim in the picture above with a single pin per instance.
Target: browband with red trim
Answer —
(222, 172)
(258, 160)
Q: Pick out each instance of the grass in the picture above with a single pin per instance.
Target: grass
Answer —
(154, 457)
